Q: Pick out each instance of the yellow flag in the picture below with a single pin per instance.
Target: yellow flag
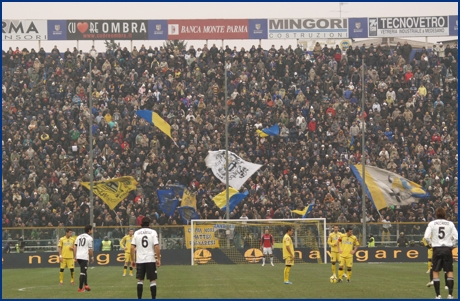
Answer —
(261, 134)
(112, 191)
(188, 199)
(161, 124)
(299, 212)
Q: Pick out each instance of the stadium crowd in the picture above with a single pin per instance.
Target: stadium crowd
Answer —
(410, 123)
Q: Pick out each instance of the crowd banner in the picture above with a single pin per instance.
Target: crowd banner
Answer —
(57, 30)
(158, 29)
(453, 25)
(212, 29)
(307, 28)
(24, 30)
(107, 29)
(409, 26)
(357, 28)
(204, 237)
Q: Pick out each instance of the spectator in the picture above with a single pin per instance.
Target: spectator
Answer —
(312, 96)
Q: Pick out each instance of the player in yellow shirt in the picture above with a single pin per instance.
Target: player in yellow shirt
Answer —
(347, 246)
(125, 244)
(65, 249)
(333, 241)
(288, 254)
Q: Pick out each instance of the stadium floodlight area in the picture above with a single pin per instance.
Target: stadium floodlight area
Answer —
(237, 238)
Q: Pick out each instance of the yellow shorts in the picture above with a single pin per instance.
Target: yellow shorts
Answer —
(346, 261)
(289, 261)
(335, 256)
(67, 262)
(127, 257)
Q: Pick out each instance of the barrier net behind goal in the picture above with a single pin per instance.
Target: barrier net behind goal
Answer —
(239, 241)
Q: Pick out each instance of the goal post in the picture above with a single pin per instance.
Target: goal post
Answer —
(238, 241)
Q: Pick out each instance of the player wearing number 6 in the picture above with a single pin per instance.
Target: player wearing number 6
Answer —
(266, 244)
(442, 236)
(144, 247)
(82, 252)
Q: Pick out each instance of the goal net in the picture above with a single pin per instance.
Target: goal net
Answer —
(239, 241)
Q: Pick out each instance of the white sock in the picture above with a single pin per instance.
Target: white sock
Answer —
(263, 260)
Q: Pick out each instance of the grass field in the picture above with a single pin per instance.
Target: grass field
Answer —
(396, 280)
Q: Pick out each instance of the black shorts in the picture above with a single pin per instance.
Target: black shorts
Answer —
(443, 259)
(83, 265)
(148, 269)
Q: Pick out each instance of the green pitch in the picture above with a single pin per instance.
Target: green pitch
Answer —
(396, 280)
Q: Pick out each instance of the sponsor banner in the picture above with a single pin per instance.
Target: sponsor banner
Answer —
(378, 254)
(453, 26)
(158, 30)
(212, 256)
(204, 237)
(327, 28)
(208, 29)
(409, 26)
(57, 30)
(357, 28)
(107, 29)
(258, 28)
(24, 30)
(112, 258)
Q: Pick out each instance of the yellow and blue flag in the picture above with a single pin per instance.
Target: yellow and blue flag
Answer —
(234, 198)
(168, 201)
(156, 120)
(271, 131)
(386, 188)
(305, 211)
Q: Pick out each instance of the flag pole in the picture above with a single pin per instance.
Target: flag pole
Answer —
(227, 191)
(91, 172)
(363, 158)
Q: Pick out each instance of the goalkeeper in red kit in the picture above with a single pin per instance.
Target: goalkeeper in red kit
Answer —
(266, 244)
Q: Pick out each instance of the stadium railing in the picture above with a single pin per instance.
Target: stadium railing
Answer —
(38, 239)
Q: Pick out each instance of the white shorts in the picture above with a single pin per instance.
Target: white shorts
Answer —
(268, 251)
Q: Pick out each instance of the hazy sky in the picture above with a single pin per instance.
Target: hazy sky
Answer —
(216, 10)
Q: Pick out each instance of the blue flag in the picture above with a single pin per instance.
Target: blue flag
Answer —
(168, 201)
(177, 188)
(272, 131)
(188, 213)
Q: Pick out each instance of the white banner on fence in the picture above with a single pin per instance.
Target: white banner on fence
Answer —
(327, 28)
(409, 26)
(24, 30)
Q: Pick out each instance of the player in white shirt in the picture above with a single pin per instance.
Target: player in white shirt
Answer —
(146, 250)
(82, 252)
(442, 236)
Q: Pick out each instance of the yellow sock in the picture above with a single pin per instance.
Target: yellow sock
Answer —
(340, 273)
(333, 269)
(288, 272)
(429, 265)
(61, 276)
(71, 277)
(349, 275)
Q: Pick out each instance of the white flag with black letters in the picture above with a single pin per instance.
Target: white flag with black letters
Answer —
(239, 171)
